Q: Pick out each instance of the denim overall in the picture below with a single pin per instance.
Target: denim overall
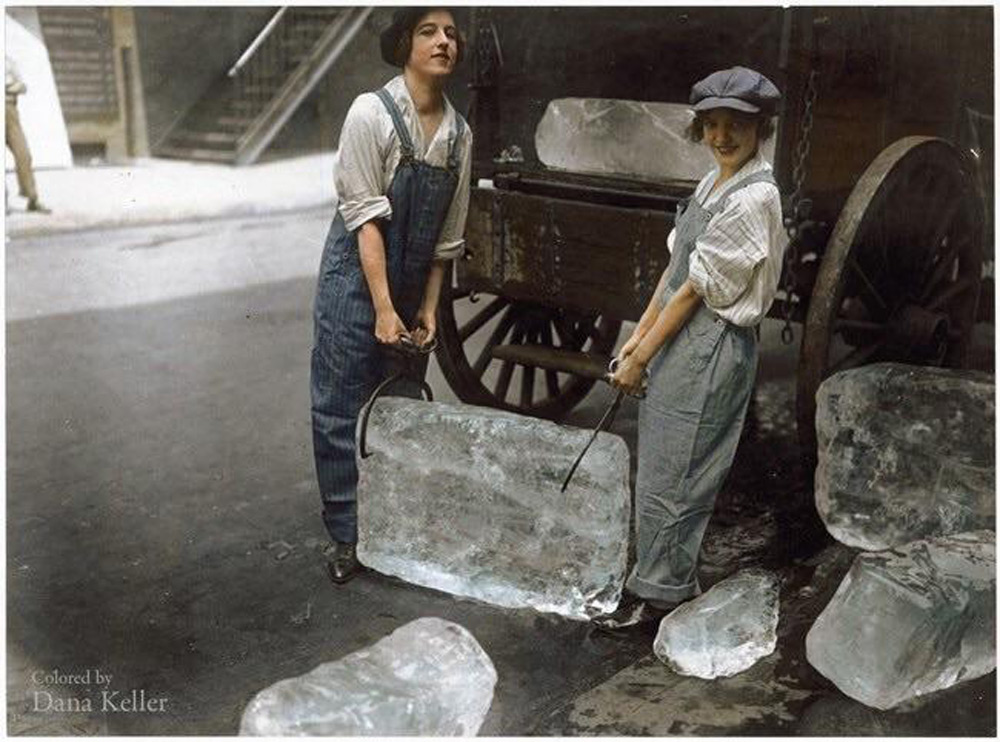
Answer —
(689, 425)
(347, 361)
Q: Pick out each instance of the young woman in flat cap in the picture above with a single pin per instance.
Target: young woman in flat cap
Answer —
(696, 339)
(402, 180)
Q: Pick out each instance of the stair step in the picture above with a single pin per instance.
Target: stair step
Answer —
(232, 127)
(184, 153)
(233, 124)
(211, 139)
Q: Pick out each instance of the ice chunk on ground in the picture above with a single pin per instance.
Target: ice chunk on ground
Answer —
(910, 621)
(467, 500)
(428, 678)
(724, 631)
(905, 452)
(638, 139)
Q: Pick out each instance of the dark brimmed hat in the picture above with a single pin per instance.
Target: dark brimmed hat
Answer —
(403, 21)
(739, 88)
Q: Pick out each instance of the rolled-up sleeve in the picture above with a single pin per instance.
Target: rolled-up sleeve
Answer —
(359, 176)
(728, 252)
(452, 237)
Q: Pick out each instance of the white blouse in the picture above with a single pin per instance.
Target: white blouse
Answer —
(736, 263)
(370, 151)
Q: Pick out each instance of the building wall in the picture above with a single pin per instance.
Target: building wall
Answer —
(38, 109)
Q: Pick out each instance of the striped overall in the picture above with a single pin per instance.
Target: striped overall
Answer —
(347, 360)
(689, 425)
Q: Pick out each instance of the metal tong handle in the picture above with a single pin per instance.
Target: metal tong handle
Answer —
(409, 350)
(606, 419)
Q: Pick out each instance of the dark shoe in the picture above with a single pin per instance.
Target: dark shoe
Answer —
(35, 205)
(633, 612)
(342, 562)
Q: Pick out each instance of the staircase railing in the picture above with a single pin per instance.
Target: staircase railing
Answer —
(275, 73)
(256, 43)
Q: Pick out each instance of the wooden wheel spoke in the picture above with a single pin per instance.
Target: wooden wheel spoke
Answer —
(502, 385)
(528, 378)
(551, 377)
(503, 380)
(943, 269)
(527, 385)
(483, 316)
(556, 327)
(486, 354)
(869, 287)
(857, 357)
(568, 333)
(595, 331)
(552, 382)
(952, 292)
(943, 224)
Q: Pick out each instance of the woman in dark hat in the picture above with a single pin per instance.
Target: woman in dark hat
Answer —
(696, 339)
(402, 179)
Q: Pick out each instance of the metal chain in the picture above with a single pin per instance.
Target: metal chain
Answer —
(794, 219)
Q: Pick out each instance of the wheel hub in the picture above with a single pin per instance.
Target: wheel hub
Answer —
(919, 332)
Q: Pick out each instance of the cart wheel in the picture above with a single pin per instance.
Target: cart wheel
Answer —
(900, 275)
(464, 352)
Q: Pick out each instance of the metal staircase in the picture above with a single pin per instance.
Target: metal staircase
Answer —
(239, 115)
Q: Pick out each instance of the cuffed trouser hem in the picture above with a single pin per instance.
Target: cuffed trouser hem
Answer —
(665, 594)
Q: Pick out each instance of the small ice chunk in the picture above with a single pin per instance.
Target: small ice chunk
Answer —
(428, 678)
(910, 621)
(724, 631)
(468, 500)
(905, 453)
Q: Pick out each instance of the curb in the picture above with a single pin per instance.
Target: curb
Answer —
(42, 228)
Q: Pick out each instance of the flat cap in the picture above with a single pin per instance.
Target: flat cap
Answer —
(738, 87)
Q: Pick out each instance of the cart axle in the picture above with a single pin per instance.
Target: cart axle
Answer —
(587, 365)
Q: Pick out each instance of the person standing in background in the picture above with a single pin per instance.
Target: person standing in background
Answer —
(16, 141)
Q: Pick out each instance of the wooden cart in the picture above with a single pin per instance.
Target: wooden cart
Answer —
(883, 190)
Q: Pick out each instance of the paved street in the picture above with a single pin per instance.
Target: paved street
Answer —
(163, 522)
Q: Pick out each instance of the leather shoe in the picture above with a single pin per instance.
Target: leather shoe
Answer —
(342, 562)
(632, 612)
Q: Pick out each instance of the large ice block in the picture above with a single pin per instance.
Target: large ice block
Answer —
(724, 631)
(905, 452)
(428, 678)
(467, 500)
(910, 621)
(637, 139)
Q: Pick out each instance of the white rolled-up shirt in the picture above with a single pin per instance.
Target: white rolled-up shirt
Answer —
(736, 262)
(370, 151)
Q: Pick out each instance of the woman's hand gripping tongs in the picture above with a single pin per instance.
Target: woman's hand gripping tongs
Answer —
(607, 418)
(410, 355)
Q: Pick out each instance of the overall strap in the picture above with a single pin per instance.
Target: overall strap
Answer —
(453, 145)
(397, 122)
(762, 176)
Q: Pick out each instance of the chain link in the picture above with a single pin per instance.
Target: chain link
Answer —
(794, 218)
